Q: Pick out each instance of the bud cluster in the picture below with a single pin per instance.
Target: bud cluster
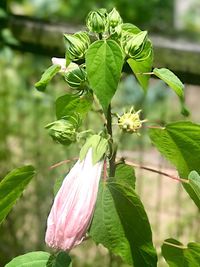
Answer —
(100, 21)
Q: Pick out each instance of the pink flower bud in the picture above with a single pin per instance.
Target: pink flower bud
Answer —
(73, 207)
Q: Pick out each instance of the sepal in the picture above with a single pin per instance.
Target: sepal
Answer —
(99, 147)
(64, 131)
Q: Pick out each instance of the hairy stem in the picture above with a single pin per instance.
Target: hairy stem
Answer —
(114, 147)
(156, 171)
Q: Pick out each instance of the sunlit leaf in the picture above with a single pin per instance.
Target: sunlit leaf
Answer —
(12, 186)
(68, 104)
(171, 79)
(179, 142)
(104, 61)
(174, 83)
(47, 76)
(194, 181)
(41, 259)
(120, 222)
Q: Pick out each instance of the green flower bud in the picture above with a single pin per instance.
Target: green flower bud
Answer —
(130, 121)
(76, 78)
(114, 18)
(97, 21)
(77, 44)
(116, 33)
(133, 44)
(145, 53)
(62, 131)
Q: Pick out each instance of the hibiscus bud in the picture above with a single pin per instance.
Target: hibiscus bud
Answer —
(133, 44)
(77, 44)
(116, 33)
(63, 131)
(74, 204)
(76, 78)
(114, 18)
(130, 121)
(97, 21)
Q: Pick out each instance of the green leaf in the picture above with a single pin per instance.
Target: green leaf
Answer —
(99, 147)
(106, 226)
(61, 259)
(194, 181)
(68, 104)
(120, 222)
(12, 186)
(171, 79)
(142, 66)
(46, 77)
(130, 28)
(180, 143)
(104, 61)
(41, 259)
(173, 82)
(125, 174)
(135, 224)
(36, 259)
(177, 255)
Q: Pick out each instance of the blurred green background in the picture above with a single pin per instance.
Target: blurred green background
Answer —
(24, 112)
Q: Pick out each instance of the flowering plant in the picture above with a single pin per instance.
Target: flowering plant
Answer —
(109, 210)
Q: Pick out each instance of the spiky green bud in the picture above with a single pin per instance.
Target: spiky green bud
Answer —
(114, 18)
(76, 78)
(97, 21)
(133, 44)
(63, 131)
(76, 45)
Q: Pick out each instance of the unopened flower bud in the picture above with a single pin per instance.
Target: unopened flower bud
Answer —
(116, 33)
(73, 207)
(76, 78)
(133, 44)
(77, 44)
(130, 121)
(62, 131)
(97, 21)
(114, 18)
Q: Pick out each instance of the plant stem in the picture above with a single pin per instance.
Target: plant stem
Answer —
(156, 171)
(114, 147)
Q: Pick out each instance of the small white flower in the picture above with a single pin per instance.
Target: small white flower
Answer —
(62, 63)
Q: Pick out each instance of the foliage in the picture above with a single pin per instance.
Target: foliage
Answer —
(41, 259)
(118, 221)
(175, 142)
(178, 255)
(12, 186)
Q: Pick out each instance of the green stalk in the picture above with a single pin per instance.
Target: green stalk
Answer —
(114, 146)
